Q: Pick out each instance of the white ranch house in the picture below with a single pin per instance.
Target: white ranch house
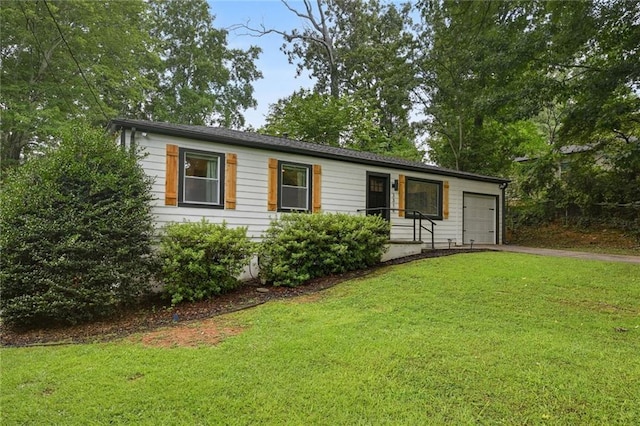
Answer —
(248, 179)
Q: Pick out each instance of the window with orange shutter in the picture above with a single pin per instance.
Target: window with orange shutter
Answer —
(201, 179)
(424, 196)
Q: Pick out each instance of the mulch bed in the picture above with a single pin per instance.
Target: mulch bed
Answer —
(156, 312)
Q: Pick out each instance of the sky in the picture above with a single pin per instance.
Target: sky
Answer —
(279, 77)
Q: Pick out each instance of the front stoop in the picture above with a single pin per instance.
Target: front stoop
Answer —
(397, 249)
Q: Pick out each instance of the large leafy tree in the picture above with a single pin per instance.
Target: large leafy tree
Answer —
(357, 48)
(376, 47)
(68, 60)
(478, 79)
(345, 121)
(603, 84)
(200, 80)
(592, 64)
(65, 61)
(488, 66)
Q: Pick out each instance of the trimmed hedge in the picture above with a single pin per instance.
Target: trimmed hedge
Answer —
(75, 233)
(298, 247)
(202, 259)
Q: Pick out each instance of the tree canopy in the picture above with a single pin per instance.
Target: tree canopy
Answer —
(65, 61)
(492, 65)
(345, 121)
(473, 78)
(199, 79)
(359, 49)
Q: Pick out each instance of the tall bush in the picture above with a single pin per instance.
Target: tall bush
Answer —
(598, 186)
(75, 232)
(298, 247)
(202, 259)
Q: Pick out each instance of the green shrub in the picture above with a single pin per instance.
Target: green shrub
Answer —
(202, 259)
(75, 232)
(298, 247)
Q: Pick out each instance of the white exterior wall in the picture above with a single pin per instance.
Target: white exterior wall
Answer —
(343, 189)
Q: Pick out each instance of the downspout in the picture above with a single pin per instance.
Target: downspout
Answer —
(503, 187)
(132, 140)
(123, 138)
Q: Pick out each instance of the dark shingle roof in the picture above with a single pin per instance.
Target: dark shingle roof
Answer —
(273, 143)
(565, 150)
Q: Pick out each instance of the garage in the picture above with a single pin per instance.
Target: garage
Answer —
(479, 222)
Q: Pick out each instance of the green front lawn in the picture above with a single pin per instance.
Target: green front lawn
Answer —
(473, 338)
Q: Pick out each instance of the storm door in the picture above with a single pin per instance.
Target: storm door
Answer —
(378, 194)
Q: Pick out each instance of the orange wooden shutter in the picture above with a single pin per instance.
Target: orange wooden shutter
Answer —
(272, 185)
(401, 183)
(231, 172)
(317, 188)
(445, 200)
(171, 177)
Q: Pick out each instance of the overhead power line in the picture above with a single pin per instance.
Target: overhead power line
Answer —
(76, 61)
(44, 57)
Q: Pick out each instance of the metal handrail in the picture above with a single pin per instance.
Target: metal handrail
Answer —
(420, 216)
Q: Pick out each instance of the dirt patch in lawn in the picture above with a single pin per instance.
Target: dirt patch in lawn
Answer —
(174, 326)
(201, 333)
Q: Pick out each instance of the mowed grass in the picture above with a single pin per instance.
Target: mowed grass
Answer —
(476, 338)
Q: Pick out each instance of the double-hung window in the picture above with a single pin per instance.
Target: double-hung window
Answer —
(424, 196)
(294, 187)
(201, 179)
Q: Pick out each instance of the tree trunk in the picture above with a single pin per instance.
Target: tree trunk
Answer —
(12, 146)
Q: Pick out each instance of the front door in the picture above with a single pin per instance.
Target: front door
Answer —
(378, 194)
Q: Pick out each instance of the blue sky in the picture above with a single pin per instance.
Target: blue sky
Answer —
(279, 77)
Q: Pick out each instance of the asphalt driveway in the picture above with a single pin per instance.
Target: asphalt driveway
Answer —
(562, 253)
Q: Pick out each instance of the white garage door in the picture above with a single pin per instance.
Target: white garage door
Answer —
(479, 219)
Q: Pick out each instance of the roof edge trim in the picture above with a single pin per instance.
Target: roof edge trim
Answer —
(252, 140)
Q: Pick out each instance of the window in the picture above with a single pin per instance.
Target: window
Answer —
(424, 196)
(294, 187)
(201, 179)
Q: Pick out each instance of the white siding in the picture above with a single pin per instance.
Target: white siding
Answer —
(343, 188)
